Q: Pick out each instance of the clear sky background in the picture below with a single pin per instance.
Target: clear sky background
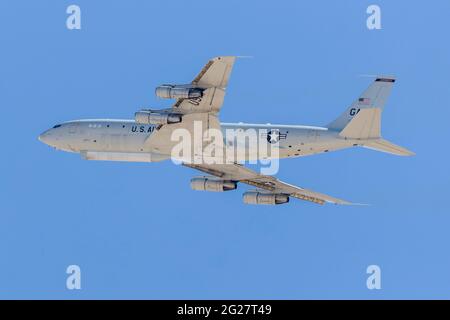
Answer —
(139, 231)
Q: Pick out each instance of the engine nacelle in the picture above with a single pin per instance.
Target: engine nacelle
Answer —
(168, 91)
(255, 197)
(212, 184)
(151, 117)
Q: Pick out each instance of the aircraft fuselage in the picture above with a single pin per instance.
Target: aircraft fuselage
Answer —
(127, 136)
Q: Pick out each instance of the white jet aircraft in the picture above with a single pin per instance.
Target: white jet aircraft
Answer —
(147, 138)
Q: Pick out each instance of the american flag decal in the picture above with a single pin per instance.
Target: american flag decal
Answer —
(364, 101)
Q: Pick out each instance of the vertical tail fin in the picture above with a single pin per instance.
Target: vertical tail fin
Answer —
(365, 125)
(362, 120)
(375, 96)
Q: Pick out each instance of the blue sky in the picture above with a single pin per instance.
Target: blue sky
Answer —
(138, 230)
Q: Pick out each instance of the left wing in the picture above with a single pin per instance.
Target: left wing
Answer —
(239, 173)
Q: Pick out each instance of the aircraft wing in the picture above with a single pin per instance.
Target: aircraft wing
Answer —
(237, 172)
(214, 77)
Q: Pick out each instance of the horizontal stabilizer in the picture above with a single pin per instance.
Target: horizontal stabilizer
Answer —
(388, 147)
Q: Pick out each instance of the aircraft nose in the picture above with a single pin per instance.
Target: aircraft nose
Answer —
(45, 137)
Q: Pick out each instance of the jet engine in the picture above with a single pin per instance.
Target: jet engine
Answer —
(212, 184)
(256, 197)
(168, 91)
(152, 117)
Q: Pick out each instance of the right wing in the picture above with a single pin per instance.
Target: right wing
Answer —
(237, 172)
(214, 77)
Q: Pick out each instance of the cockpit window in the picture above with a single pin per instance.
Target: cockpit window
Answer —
(57, 126)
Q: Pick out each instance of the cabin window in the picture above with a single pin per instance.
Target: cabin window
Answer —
(57, 126)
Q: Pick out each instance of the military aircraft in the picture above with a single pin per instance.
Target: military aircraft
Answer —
(149, 136)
